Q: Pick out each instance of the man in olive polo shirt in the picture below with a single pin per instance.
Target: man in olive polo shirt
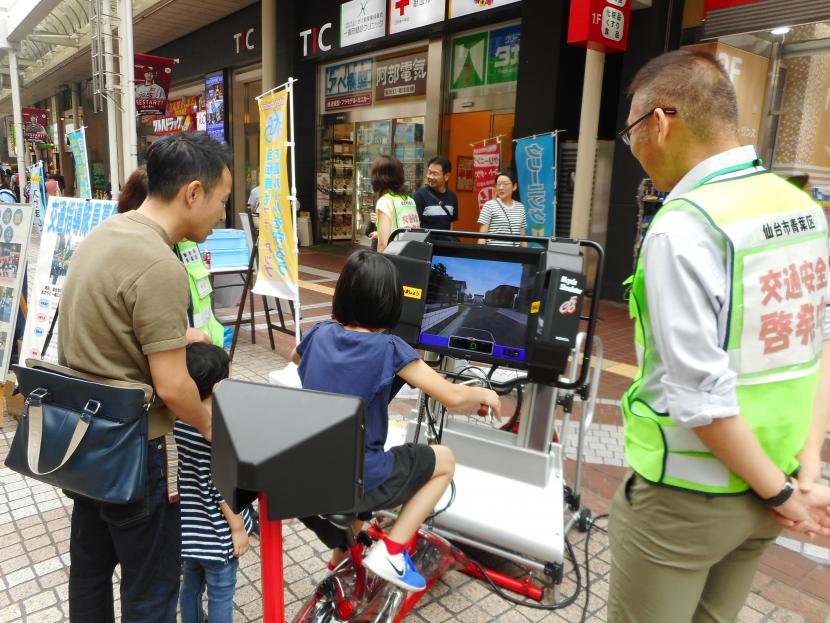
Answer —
(124, 316)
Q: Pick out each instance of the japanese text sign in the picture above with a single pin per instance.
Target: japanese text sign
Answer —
(362, 20)
(68, 220)
(601, 25)
(409, 14)
(486, 163)
(34, 124)
(535, 161)
(277, 274)
(348, 85)
(77, 145)
(467, 7)
(401, 76)
(152, 77)
(784, 298)
(503, 55)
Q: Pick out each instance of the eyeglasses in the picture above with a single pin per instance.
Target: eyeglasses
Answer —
(625, 133)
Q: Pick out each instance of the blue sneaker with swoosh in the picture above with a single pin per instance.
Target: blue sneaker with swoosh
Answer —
(397, 569)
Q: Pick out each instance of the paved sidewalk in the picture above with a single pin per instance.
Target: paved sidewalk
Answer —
(791, 585)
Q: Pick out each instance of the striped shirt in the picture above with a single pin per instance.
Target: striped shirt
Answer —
(503, 219)
(206, 534)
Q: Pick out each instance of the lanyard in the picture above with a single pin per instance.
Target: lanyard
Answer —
(733, 169)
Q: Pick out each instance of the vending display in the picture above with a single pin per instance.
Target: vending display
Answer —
(335, 183)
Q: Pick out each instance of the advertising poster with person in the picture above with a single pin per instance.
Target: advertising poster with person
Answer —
(152, 77)
(66, 223)
(15, 230)
(35, 121)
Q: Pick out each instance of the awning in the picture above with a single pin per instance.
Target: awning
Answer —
(763, 15)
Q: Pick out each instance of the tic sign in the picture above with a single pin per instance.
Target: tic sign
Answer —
(601, 25)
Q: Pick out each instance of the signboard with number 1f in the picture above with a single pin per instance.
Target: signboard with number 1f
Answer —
(600, 25)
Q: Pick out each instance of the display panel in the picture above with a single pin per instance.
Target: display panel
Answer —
(478, 307)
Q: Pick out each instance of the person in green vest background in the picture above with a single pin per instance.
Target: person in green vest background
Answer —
(204, 327)
(394, 208)
(729, 299)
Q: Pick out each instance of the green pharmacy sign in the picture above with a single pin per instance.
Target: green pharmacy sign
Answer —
(469, 56)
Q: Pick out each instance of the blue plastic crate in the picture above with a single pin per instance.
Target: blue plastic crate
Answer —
(227, 247)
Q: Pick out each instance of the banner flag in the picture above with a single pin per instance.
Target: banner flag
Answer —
(38, 192)
(68, 220)
(486, 162)
(77, 144)
(536, 168)
(152, 83)
(277, 274)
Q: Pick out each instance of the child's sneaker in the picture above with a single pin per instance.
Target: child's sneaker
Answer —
(397, 569)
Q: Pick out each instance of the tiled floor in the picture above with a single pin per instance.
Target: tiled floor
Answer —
(34, 518)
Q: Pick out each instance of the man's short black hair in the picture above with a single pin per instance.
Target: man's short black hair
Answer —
(178, 159)
(368, 292)
(207, 365)
(445, 165)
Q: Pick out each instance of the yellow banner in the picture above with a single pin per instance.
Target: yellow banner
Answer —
(277, 274)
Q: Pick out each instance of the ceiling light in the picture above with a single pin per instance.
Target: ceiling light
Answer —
(781, 30)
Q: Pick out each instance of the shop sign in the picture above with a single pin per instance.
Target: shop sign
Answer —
(486, 163)
(503, 56)
(469, 56)
(215, 105)
(401, 76)
(173, 125)
(349, 85)
(186, 105)
(711, 5)
(153, 75)
(362, 20)
(35, 121)
(315, 40)
(244, 40)
(600, 25)
(408, 14)
(468, 7)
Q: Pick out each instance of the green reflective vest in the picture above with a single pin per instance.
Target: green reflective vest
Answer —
(404, 212)
(777, 277)
(198, 276)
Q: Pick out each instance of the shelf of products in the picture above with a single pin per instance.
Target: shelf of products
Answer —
(335, 183)
(649, 201)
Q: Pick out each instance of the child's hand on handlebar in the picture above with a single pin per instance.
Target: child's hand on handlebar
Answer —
(491, 405)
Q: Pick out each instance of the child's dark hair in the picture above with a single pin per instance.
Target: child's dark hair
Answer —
(207, 365)
(368, 292)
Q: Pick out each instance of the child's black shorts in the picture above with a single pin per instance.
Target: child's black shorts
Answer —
(413, 467)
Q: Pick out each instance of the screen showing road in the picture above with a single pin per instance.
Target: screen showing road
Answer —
(479, 306)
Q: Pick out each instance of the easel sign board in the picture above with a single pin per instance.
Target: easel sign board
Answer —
(68, 220)
(15, 230)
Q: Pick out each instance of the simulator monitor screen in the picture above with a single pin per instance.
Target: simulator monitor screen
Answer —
(479, 307)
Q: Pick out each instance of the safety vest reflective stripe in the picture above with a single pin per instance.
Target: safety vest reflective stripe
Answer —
(776, 236)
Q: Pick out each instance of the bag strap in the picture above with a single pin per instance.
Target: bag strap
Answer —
(506, 218)
(35, 415)
(440, 201)
(149, 393)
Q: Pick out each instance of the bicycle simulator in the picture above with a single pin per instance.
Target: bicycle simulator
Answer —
(509, 317)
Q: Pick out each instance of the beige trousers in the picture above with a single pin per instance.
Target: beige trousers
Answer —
(682, 557)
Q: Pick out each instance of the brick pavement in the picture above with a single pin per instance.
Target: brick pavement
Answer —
(34, 518)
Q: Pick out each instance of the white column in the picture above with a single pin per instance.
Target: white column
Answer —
(113, 153)
(127, 65)
(57, 133)
(76, 107)
(587, 147)
(269, 44)
(18, 117)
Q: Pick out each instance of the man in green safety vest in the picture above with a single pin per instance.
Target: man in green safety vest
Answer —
(729, 298)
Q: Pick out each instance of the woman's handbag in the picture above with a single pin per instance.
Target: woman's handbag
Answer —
(82, 433)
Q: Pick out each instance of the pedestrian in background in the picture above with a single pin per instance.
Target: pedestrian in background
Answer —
(394, 208)
(437, 205)
(504, 214)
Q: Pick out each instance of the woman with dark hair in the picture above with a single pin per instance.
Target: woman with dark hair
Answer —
(394, 209)
(503, 215)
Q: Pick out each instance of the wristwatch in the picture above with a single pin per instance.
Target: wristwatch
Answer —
(782, 495)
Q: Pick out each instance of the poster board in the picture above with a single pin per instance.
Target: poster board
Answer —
(16, 228)
(68, 220)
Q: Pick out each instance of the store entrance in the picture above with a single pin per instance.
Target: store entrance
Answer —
(348, 146)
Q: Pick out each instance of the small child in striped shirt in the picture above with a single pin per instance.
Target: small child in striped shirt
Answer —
(213, 537)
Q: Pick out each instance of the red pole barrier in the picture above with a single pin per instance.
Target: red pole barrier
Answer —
(270, 536)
